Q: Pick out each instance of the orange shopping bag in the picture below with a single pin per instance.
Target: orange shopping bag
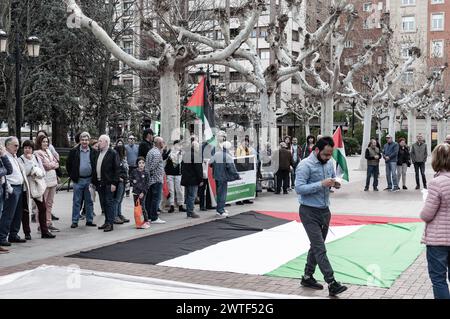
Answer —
(138, 215)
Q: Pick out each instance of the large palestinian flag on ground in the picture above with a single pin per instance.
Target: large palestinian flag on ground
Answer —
(363, 250)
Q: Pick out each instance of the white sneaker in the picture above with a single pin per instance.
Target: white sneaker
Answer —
(145, 225)
(158, 221)
(225, 214)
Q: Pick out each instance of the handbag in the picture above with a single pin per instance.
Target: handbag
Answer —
(37, 187)
(51, 179)
(138, 215)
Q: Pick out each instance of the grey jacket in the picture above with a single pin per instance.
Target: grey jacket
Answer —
(419, 153)
(223, 167)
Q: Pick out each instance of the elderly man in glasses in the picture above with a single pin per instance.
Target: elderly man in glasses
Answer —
(17, 183)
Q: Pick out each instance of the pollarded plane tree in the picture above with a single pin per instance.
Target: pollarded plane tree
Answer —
(175, 54)
(304, 111)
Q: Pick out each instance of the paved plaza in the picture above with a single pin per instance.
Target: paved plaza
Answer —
(351, 199)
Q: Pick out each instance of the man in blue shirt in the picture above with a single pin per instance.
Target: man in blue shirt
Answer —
(390, 155)
(132, 151)
(314, 177)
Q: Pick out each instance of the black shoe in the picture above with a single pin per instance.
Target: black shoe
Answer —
(387, 189)
(33, 218)
(277, 193)
(211, 207)
(102, 226)
(125, 220)
(90, 224)
(193, 215)
(48, 235)
(311, 283)
(28, 237)
(5, 243)
(54, 217)
(425, 186)
(366, 189)
(108, 228)
(203, 209)
(17, 240)
(247, 201)
(118, 221)
(182, 209)
(375, 189)
(336, 288)
(417, 187)
(271, 190)
(285, 193)
(74, 225)
(239, 203)
(404, 187)
(227, 205)
(171, 209)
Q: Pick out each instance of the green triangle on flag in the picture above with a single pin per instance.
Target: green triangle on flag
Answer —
(339, 155)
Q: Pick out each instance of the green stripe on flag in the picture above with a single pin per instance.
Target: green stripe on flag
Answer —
(342, 162)
(198, 110)
(374, 255)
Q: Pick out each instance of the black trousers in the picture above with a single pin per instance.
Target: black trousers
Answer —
(205, 199)
(420, 166)
(282, 177)
(316, 222)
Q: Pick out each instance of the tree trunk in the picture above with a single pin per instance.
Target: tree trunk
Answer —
(392, 117)
(269, 131)
(441, 130)
(428, 132)
(59, 132)
(380, 132)
(327, 121)
(170, 106)
(411, 126)
(366, 135)
(307, 128)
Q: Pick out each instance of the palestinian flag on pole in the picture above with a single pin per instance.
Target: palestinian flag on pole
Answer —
(199, 104)
(339, 155)
(363, 250)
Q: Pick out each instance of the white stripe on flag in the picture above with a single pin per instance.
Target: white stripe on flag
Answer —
(258, 253)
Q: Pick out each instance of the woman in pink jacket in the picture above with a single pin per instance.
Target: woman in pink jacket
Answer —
(436, 214)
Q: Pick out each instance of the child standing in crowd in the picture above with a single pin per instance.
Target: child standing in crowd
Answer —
(139, 181)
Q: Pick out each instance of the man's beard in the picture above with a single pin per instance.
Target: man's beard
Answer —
(322, 161)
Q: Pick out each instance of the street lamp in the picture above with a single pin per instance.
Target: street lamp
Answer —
(200, 74)
(33, 47)
(353, 116)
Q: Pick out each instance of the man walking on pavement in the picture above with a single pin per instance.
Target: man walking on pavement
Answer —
(419, 156)
(390, 155)
(132, 152)
(315, 176)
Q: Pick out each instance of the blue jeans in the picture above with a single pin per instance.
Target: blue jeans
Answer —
(391, 174)
(107, 202)
(12, 214)
(118, 198)
(152, 200)
(438, 258)
(2, 200)
(221, 188)
(372, 170)
(190, 194)
(81, 193)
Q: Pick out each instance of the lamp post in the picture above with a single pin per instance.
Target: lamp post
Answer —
(33, 48)
(353, 117)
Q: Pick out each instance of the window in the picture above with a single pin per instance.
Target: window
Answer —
(295, 35)
(437, 1)
(405, 50)
(348, 44)
(294, 80)
(128, 47)
(254, 33)
(367, 42)
(348, 61)
(380, 6)
(127, 8)
(366, 24)
(380, 60)
(295, 54)
(367, 7)
(408, 77)
(235, 77)
(408, 2)
(264, 54)
(437, 48)
(262, 32)
(219, 35)
(127, 29)
(128, 84)
(437, 22)
(408, 24)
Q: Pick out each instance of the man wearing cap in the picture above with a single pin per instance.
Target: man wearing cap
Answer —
(132, 155)
(390, 153)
